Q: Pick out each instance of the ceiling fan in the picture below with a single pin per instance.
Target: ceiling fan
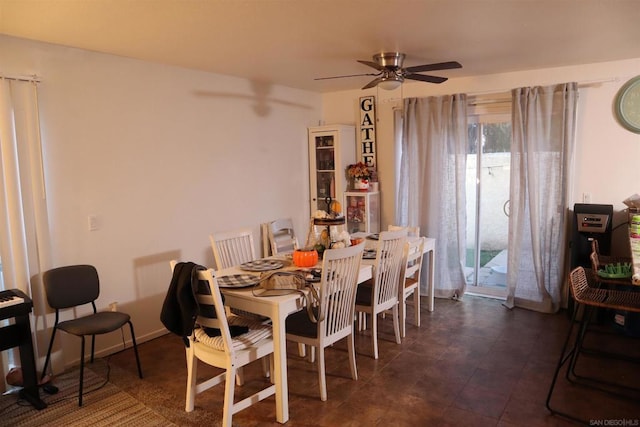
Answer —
(391, 74)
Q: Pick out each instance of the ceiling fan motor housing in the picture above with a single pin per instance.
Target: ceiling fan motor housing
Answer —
(391, 60)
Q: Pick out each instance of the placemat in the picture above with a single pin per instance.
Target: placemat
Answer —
(237, 280)
(369, 254)
(262, 265)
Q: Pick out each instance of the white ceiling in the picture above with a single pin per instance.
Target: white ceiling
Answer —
(291, 42)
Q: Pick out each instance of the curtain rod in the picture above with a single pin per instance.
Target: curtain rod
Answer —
(583, 84)
(32, 78)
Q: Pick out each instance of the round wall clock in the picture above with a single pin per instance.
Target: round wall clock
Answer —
(628, 105)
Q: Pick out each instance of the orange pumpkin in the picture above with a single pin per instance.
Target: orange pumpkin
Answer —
(305, 258)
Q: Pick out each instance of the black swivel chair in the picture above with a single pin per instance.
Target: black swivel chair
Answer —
(72, 286)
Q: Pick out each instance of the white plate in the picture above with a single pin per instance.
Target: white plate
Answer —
(262, 265)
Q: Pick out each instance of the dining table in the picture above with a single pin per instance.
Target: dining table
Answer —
(235, 285)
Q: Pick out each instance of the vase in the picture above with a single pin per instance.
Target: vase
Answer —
(361, 184)
(305, 257)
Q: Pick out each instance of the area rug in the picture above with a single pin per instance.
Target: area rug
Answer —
(168, 401)
(104, 404)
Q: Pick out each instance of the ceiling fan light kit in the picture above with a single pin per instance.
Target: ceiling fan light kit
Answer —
(391, 74)
(390, 83)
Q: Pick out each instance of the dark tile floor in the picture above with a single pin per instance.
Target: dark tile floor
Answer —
(471, 363)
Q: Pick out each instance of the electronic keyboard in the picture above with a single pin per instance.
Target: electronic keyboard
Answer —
(9, 298)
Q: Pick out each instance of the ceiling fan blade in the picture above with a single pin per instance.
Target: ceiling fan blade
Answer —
(349, 75)
(373, 83)
(433, 67)
(428, 79)
(372, 65)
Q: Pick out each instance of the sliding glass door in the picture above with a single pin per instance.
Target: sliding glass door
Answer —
(487, 189)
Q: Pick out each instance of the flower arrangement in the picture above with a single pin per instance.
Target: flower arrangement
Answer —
(359, 171)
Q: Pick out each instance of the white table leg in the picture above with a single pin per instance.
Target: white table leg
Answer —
(432, 285)
(280, 362)
(430, 248)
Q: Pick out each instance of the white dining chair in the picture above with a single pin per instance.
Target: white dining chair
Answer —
(380, 293)
(409, 283)
(411, 231)
(335, 312)
(281, 236)
(232, 248)
(221, 350)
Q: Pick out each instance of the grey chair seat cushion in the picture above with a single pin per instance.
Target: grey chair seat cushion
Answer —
(95, 324)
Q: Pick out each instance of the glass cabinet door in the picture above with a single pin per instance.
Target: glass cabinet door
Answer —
(325, 170)
(331, 149)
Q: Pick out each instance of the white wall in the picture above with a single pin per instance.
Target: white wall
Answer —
(607, 162)
(162, 156)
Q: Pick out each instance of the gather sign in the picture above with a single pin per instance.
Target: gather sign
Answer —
(368, 131)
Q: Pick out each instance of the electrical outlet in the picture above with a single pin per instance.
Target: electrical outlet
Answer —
(113, 306)
(586, 197)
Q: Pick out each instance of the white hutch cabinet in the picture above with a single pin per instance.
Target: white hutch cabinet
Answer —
(331, 149)
(362, 211)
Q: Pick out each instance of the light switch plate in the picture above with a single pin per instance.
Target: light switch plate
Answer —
(92, 222)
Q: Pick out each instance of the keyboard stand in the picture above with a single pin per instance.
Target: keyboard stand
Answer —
(19, 335)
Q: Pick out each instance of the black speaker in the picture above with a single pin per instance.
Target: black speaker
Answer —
(590, 222)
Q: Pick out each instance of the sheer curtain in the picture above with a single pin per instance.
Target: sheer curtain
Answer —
(431, 182)
(541, 158)
(24, 232)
